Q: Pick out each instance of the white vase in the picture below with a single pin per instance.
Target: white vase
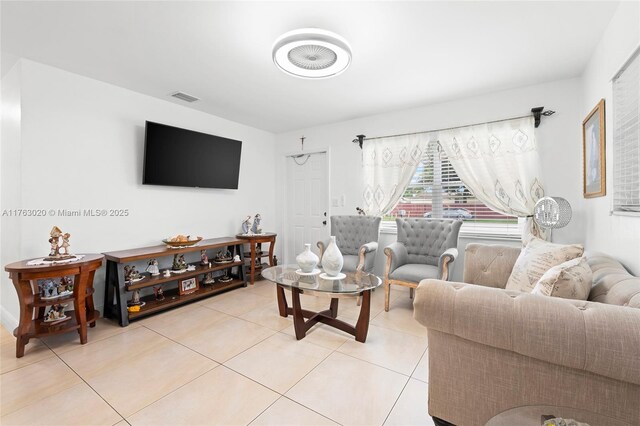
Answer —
(307, 260)
(332, 260)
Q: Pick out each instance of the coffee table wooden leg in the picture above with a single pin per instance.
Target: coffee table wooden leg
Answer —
(298, 318)
(362, 326)
(282, 301)
(334, 308)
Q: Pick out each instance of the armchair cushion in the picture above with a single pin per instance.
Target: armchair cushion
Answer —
(426, 239)
(352, 232)
(415, 272)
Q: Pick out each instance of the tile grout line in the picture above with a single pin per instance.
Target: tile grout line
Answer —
(396, 401)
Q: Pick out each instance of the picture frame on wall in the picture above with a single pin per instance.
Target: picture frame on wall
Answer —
(188, 286)
(593, 153)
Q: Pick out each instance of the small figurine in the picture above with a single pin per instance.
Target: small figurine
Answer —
(208, 279)
(159, 292)
(247, 225)
(191, 268)
(56, 313)
(275, 260)
(54, 241)
(236, 258)
(131, 274)
(179, 263)
(68, 284)
(204, 259)
(225, 278)
(135, 299)
(167, 273)
(223, 257)
(152, 267)
(48, 289)
(255, 228)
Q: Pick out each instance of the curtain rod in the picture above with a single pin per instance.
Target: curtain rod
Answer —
(537, 115)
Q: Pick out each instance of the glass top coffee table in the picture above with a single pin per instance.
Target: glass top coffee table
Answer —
(355, 284)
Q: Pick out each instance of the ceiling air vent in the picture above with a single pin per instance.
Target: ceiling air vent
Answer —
(184, 97)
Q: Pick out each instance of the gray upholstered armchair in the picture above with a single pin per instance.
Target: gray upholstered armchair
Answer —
(425, 249)
(357, 239)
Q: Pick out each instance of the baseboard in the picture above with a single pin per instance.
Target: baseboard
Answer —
(9, 322)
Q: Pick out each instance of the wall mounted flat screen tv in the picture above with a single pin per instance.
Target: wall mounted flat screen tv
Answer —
(180, 157)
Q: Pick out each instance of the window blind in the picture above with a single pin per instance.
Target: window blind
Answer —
(626, 137)
(436, 191)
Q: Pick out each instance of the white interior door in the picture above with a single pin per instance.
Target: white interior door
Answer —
(307, 219)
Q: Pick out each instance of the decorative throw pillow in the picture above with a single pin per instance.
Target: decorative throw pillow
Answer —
(569, 280)
(537, 258)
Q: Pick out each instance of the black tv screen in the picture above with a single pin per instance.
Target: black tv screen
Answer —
(180, 157)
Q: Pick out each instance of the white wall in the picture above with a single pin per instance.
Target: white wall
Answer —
(82, 146)
(558, 138)
(618, 236)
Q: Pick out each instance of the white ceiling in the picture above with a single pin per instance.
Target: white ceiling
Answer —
(405, 54)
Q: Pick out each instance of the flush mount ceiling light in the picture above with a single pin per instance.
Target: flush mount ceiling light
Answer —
(311, 53)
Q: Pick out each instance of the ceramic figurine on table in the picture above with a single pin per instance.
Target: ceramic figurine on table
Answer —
(48, 289)
(256, 228)
(135, 298)
(152, 267)
(223, 257)
(131, 274)
(65, 243)
(225, 278)
(204, 259)
(56, 313)
(275, 260)
(208, 279)
(54, 241)
(158, 292)
(236, 258)
(167, 273)
(68, 283)
(179, 264)
(247, 225)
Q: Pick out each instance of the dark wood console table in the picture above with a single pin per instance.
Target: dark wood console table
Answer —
(115, 299)
(255, 243)
(32, 307)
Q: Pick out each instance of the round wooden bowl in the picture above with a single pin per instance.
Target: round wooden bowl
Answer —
(182, 243)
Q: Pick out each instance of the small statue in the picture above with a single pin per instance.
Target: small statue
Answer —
(54, 241)
(223, 257)
(225, 278)
(65, 243)
(152, 267)
(68, 284)
(208, 279)
(179, 263)
(48, 289)
(135, 298)
(247, 226)
(167, 273)
(56, 313)
(236, 258)
(204, 259)
(255, 228)
(131, 274)
(275, 260)
(158, 292)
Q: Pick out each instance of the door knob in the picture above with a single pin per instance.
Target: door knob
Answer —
(324, 222)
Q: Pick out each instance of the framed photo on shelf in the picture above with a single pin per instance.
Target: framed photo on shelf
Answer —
(593, 153)
(188, 286)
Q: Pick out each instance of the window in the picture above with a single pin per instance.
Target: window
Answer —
(626, 138)
(436, 191)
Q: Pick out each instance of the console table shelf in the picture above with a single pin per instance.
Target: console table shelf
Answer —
(117, 291)
(255, 242)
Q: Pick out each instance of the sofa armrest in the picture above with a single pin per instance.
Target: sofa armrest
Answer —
(397, 256)
(445, 263)
(595, 337)
(489, 265)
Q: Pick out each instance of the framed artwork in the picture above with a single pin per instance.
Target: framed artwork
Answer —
(593, 154)
(188, 286)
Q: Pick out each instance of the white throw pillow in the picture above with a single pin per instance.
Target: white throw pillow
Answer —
(537, 258)
(569, 280)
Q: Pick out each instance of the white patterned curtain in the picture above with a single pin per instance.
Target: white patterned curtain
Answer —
(499, 163)
(388, 166)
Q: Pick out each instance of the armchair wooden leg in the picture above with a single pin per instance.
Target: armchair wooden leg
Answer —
(387, 291)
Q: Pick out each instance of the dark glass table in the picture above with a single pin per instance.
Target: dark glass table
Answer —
(353, 285)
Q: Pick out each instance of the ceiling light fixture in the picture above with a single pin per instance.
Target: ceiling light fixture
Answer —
(311, 53)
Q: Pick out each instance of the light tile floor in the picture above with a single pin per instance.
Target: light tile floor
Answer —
(229, 360)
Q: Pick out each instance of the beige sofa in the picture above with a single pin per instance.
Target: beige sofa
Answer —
(491, 349)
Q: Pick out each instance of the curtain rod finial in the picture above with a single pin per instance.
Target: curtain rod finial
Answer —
(359, 139)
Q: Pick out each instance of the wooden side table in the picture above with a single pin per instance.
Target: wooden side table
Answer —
(32, 307)
(255, 243)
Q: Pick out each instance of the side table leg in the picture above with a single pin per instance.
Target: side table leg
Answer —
(334, 308)
(298, 318)
(272, 244)
(362, 326)
(282, 301)
(25, 297)
(79, 304)
(253, 261)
